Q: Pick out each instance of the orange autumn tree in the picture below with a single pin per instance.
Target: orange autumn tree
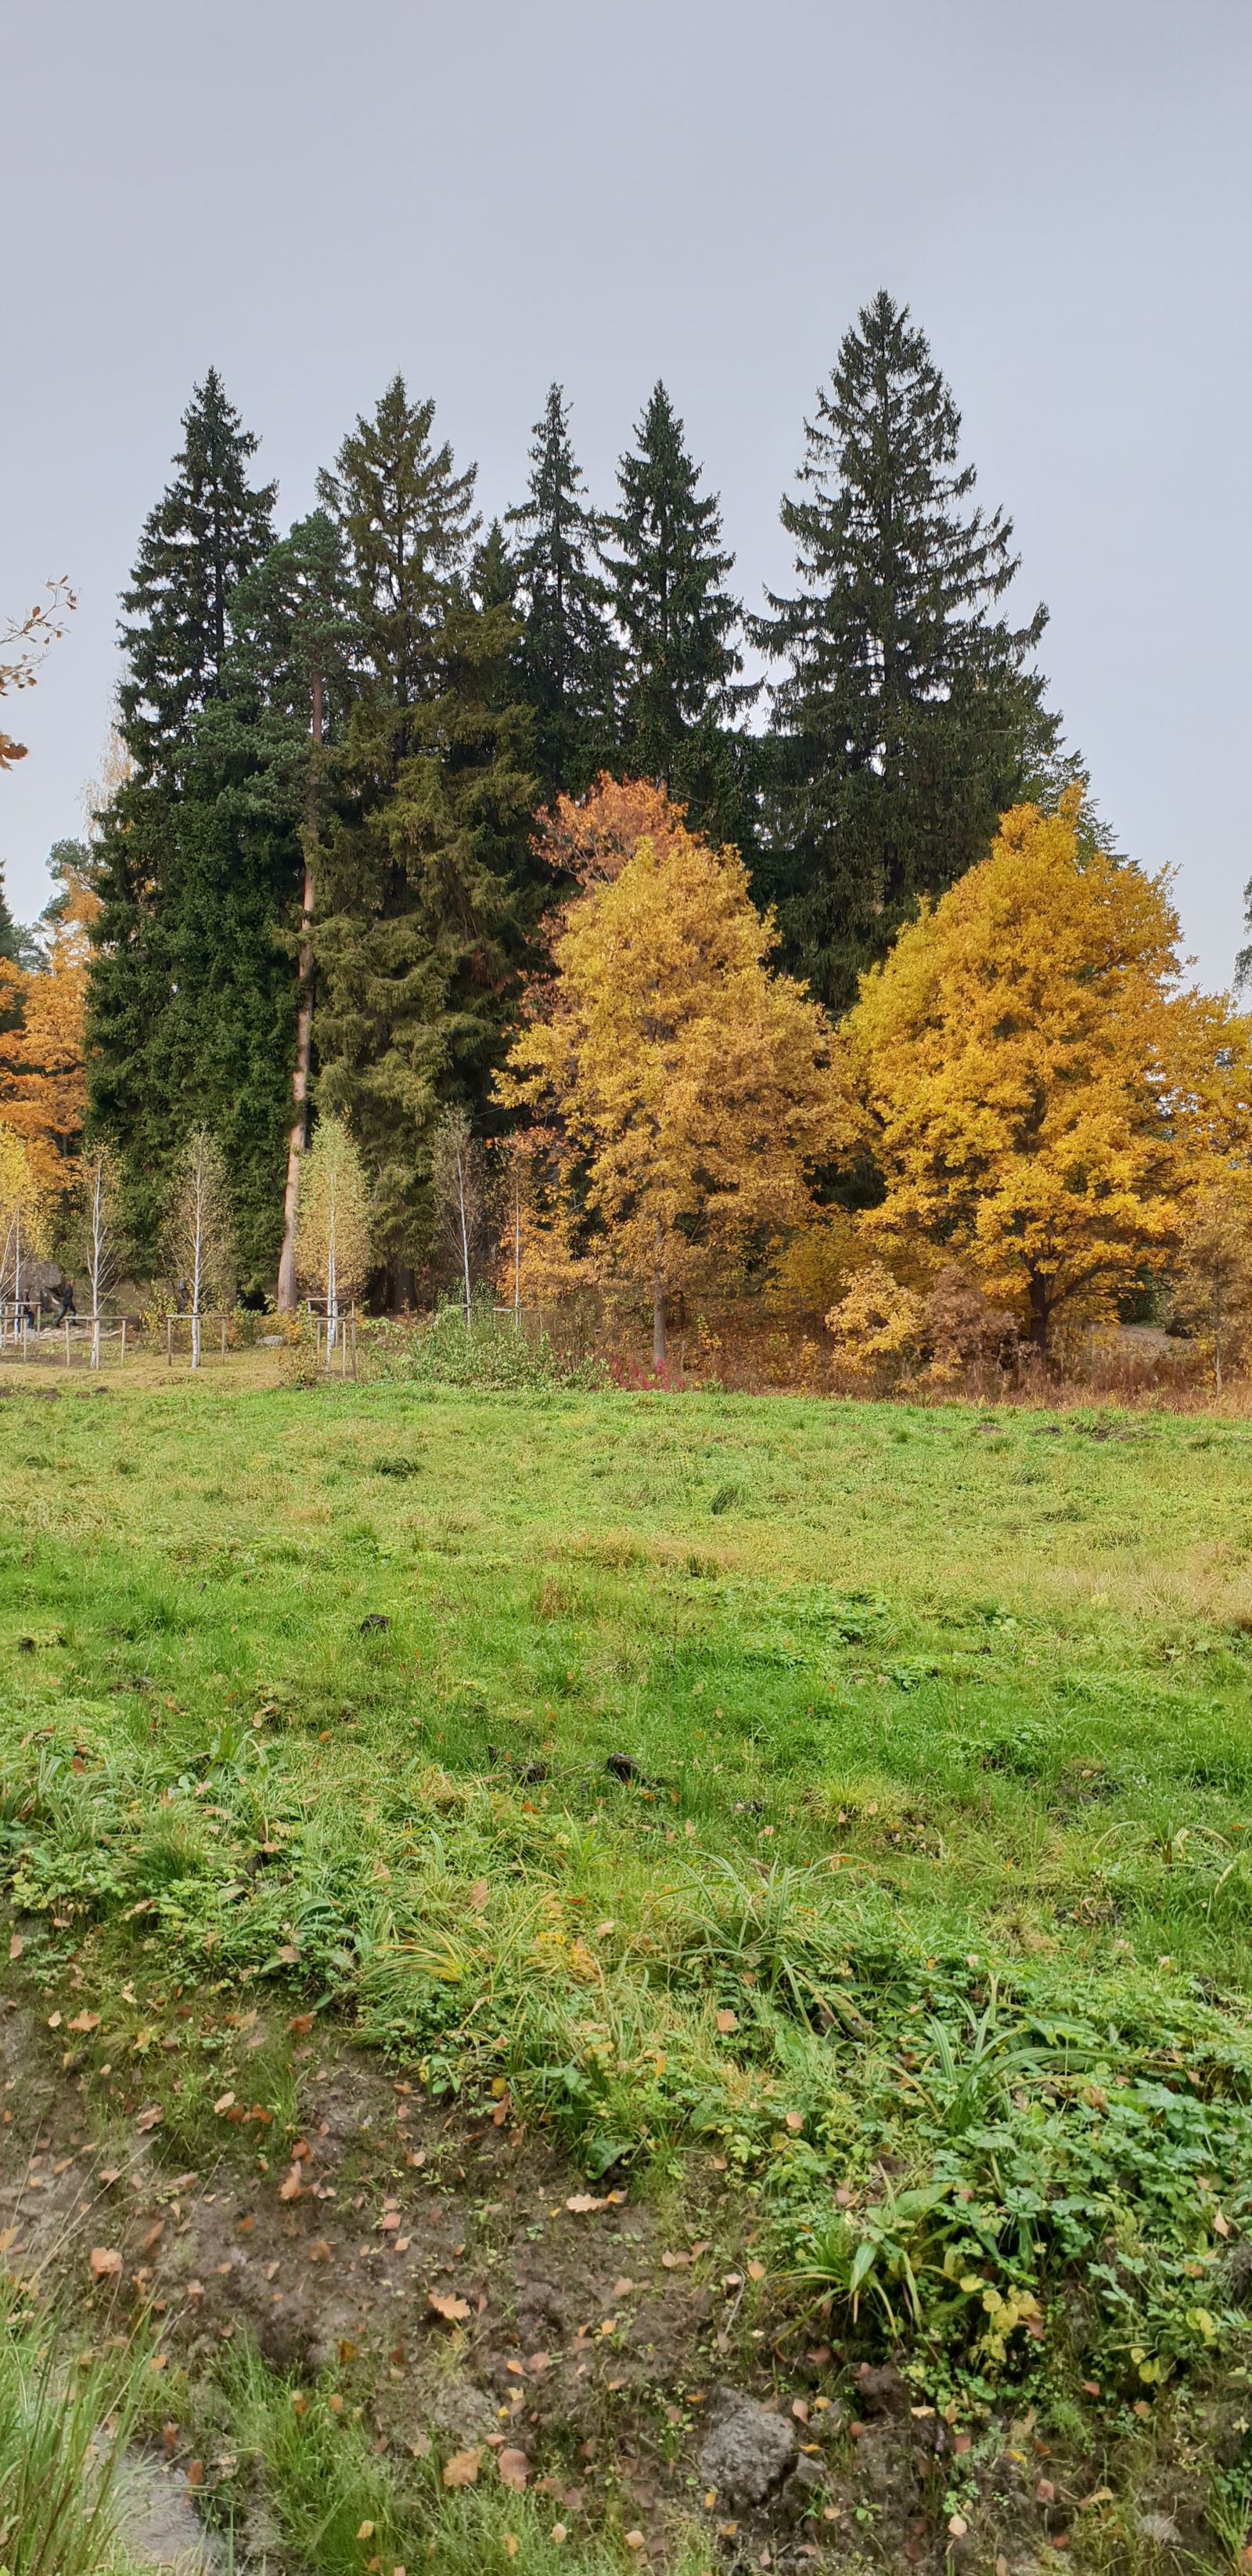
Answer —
(1039, 1093)
(679, 1090)
(591, 837)
(43, 1076)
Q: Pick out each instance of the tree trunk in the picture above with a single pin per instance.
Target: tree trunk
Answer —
(658, 1306)
(298, 1136)
(1039, 1316)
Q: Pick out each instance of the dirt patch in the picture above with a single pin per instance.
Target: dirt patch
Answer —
(445, 2276)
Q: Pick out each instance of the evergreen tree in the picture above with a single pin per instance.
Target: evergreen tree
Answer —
(568, 656)
(210, 527)
(18, 946)
(910, 717)
(430, 884)
(680, 627)
(405, 519)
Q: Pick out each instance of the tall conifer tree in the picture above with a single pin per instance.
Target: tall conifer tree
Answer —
(911, 716)
(568, 656)
(430, 883)
(210, 527)
(680, 628)
(190, 1012)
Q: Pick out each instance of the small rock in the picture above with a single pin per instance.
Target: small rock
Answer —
(748, 2451)
(882, 2391)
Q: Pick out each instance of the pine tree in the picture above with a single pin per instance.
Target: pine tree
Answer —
(406, 519)
(433, 893)
(429, 878)
(210, 527)
(191, 1009)
(568, 656)
(910, 717)
(680, 627)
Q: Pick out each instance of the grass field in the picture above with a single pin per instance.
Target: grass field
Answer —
(908, 1943)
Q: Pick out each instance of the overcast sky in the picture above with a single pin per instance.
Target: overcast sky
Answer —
(310, 194)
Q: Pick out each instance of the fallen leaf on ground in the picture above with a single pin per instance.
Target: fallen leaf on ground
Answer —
(674, 2262)
(756, 2271)
(479, 1893)
(622, 2287)
(83, 2021)
(445, 2304)
(462, 2469)
(16, 1945)
(300, 2023)
(538, 2361)
(195, 2471)
(104, 2261)
(795, 2121)
(800, 2410)
(224, 2102)
(54, 2021)
(290, 2186)
(149, 2118)
(581, 2201)
(727, 2021)
(366, 2531)
(514, 2469)
(634, 2539)
(154, 2236)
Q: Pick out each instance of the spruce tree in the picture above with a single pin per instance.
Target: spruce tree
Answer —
(681, 689)
(911, 716)
(210, 527)
(405, 519)
(568, 656)
(429, 880)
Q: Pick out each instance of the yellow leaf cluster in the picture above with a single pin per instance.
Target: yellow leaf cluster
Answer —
(1040, 1093)
(43, 1072)
(680, 1089)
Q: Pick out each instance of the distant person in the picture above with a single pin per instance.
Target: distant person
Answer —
(28, 1314)
(67, 1306)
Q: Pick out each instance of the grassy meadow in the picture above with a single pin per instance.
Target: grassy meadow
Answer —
(828, 1818)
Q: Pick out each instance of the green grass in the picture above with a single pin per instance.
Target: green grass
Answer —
(944, 1782)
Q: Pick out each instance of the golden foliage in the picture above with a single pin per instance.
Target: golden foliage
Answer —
(1040, 1095)
(43, 1073)
(681, 1088)
(333, 1242)
(1212, 1281)
(878, 1322)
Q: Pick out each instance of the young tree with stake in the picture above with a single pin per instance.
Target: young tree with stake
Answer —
(456, 1178)
(103, 1248)
(199, 1237)
(333, 1244)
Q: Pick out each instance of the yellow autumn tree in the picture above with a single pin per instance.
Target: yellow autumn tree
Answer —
(43, 1069)
(679, 1089)
(1041, 1095)
(23, 1218)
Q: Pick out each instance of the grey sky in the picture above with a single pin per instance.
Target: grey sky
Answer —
(491, 193)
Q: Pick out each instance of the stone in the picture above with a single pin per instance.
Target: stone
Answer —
(156, 2523)
(748, 2450)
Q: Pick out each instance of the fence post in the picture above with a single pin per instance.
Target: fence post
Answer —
(354, 1341)
(95, 1341)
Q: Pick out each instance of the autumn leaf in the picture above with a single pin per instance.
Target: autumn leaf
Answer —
(299, 2024)
(581, 2201)
(224, 2102)
(727, 2021)
(795, 2121)
(104, 2262)
(290, 2188)
(514, 2469)
(16, 1945)
(674, 2262)
(756, 2271)
(149, 2118)
(462, 2469)
(84, 2021)
(446, 2305)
